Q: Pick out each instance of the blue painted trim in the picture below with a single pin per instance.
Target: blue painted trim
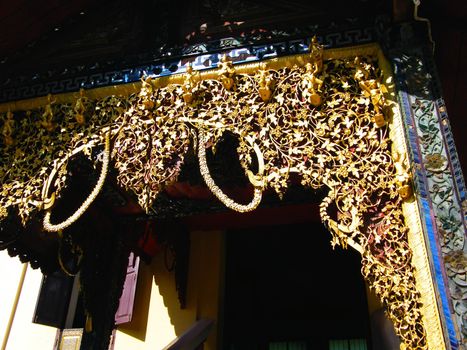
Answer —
(454, 162)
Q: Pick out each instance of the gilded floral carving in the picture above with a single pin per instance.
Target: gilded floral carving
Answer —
(322, 120)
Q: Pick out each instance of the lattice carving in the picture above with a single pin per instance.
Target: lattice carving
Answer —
(322, 120)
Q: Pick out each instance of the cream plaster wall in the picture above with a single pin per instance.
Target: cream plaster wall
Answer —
(24, 333)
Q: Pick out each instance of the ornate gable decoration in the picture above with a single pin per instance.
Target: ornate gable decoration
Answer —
(319, 116)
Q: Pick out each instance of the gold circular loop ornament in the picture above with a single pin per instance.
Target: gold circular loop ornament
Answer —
(49, 201)
(256, 180)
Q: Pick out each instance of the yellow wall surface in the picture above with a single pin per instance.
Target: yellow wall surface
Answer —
(24, 333)
(157, 317)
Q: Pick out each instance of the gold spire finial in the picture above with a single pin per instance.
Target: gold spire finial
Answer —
(8, 128)
(226, 72)
(47, 116)
(190, 83)
(80, 108)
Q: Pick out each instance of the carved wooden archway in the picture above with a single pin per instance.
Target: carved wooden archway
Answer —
(327, 116)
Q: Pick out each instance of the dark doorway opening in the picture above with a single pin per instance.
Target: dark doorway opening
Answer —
(286, 289)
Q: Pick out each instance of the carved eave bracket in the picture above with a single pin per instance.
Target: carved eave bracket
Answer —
(321, 115)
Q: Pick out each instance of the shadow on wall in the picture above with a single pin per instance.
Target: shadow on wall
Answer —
(164, 279)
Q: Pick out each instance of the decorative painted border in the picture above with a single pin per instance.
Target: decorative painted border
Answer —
(201, 57)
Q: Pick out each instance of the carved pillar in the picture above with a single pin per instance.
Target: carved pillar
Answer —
(439, 184)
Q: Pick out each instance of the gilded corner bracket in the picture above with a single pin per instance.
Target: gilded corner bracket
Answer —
(328, 116)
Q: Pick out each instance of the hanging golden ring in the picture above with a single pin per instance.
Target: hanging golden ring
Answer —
(48, 201)
(256, 180)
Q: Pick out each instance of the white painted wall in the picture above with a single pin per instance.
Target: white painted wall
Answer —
(24, 333)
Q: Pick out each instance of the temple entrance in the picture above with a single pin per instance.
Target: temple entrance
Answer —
(287, 289)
